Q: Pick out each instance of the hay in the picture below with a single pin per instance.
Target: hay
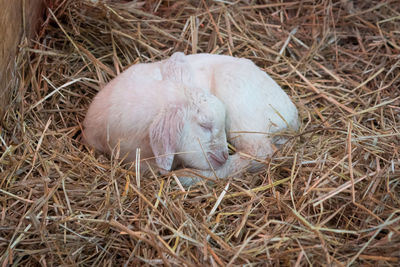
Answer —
(330, 196)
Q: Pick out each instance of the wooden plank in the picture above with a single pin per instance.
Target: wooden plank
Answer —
(11, 31)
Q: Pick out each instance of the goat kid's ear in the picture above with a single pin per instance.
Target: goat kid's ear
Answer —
(165, 133)
(176, 68)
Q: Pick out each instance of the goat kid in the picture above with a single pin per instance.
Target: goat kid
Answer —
(179, 111)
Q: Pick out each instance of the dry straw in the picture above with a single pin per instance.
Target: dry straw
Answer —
(329, 197)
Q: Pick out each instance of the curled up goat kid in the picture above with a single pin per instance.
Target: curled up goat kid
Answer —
(181, 112)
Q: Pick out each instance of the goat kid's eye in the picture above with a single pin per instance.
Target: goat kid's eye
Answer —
(206, 127)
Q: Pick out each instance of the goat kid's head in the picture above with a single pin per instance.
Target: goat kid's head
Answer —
(192, 133)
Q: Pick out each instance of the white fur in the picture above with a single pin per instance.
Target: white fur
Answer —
(178, 106)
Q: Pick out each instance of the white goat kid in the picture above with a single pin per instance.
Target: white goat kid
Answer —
(160, 108)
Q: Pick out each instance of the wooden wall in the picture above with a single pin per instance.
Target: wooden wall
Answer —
(13, 26)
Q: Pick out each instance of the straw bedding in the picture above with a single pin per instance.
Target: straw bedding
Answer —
(330, 196)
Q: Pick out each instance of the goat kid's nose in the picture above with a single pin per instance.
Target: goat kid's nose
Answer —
(218, 158)
(222, 156)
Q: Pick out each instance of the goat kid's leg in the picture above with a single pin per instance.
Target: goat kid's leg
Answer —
(255, 148)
